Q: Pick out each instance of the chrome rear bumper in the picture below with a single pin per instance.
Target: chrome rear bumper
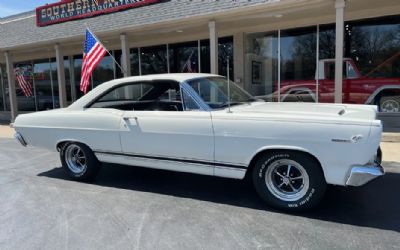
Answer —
(361, 175)
(21, 139)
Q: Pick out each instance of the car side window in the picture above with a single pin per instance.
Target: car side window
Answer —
(188, 103)
(350, 72)
(160, 95)
(131, 92)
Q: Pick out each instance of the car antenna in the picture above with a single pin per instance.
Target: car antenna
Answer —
(229, 87)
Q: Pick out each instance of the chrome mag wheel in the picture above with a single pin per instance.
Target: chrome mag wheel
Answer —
(287, 180)
(390, 105)
(75, 159)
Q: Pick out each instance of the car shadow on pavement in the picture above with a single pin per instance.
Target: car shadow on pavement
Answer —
(376, 205)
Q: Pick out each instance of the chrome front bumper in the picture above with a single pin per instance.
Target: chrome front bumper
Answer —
(21, 139)
(361, 175)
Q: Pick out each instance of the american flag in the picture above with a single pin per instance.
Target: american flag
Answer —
(26, 86)
(92, 55)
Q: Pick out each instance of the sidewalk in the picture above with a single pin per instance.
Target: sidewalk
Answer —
(390, 143)
(6, 131)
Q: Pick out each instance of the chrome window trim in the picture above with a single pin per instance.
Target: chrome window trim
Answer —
(193, 94)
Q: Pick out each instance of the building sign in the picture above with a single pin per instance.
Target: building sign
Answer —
(67, 10)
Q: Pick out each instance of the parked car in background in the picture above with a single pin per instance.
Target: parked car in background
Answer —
(203, 124)
(357, 89)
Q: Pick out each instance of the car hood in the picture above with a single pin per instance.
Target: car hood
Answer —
(313, 112)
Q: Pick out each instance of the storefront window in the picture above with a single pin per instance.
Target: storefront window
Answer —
(77, 75)
(67, 79)
(5, 94)
(225, 53)
(154, 60)
(24, 87)
(326, 64)
(134, 60)
(118, 56)
(298, 65)
(104, 71)
(373, 51)
(45, 85)
(54, 79)
(3, 82)
(261, 65)
(183, 57)
(205, 56)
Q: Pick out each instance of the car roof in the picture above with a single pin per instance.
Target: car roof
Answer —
(179, 77)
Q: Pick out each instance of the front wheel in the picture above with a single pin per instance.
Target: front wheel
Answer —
(79, 161)
(289, 180)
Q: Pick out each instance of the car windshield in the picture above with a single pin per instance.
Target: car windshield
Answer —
(214, 92)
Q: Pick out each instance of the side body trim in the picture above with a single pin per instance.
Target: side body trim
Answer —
(184, 160)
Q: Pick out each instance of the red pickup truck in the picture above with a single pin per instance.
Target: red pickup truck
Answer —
(357, 89)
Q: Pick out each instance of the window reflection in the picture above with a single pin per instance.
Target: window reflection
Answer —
(77, 75)
(154, 60)
(3, 83)
(134, 59)
(67, 79)
(205, 56)
(326, 64)
(261, 65)
(298, 64)
(184, 57)
(25, 101)
(104, 71)
(372, 47)
(225, 52)
(45, 84)
(54, 83)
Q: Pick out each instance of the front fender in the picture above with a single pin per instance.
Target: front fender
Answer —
(277, 147)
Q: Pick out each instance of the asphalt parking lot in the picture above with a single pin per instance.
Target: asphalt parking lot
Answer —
(136, 208)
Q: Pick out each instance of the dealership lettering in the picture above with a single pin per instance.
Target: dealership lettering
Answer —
(76, 9)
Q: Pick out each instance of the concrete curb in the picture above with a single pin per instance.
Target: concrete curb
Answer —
(391, 137)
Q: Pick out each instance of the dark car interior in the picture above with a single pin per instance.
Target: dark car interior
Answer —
(145, 96)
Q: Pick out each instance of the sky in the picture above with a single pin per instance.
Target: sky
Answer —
(11, 7)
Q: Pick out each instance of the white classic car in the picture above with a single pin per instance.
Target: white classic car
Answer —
(200, 123)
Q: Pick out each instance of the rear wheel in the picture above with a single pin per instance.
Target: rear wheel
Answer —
(79, 161)
(389, 104)
(289, 180)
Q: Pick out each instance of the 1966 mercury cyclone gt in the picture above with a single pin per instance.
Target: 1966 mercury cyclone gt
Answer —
(200, 123)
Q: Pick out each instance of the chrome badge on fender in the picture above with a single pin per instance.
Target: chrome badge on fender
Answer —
(353, 139)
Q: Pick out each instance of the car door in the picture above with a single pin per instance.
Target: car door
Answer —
(173, 140)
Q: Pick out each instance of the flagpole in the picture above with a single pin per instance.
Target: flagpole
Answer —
(123, 71)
